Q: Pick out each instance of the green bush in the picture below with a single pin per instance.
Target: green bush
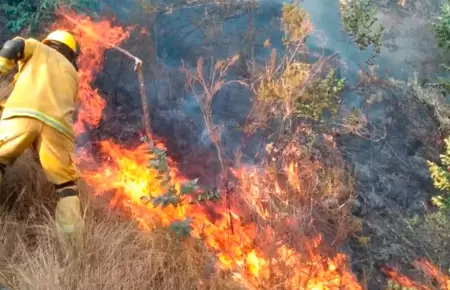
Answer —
(441, 178)
(321, 96)
(441, 27)
(291, 87)
(358, 18)
(173, 197)
(28, 13)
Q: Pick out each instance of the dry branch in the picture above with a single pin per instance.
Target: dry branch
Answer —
(210, 86)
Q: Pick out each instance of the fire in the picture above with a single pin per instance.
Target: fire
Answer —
(242, 252)
(91, 61)
(442, 280)
(401, 279)
(240, 247)
(255, 253)
(432, 271)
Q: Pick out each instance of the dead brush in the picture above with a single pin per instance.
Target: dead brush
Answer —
(287, 196)
(113, 254)
(294, 182)
(300, 203)
(25, 189)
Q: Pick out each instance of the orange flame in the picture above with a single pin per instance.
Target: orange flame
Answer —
(128, 175)
(432, 271)
(126, 172)
(254, 253)
(442, 280)
(91, 61)
(401, 280)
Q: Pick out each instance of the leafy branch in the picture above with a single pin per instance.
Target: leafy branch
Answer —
(23, 14)
(358, 18)
(441, 27)
(172, 197)
(291, 88)
(441, 178)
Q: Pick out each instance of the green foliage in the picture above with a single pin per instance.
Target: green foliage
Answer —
(213, 195)
(441, 27)
(288, 82)
(181, 229)
(433, 230)
(173, 197)
(441, 178)
(29, 13)
(311, 99)
(392, 285)
(320, 96)
(189, 187)
(159, 162)
(290, 87)
(358, 18)
(169, 198)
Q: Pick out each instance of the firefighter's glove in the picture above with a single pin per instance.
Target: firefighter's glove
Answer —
(68, 215)
(6, 65)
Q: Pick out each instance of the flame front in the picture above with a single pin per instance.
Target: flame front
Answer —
(441, 280)
(90, 62)
(432, 271)
(243, 252)
(256, 253)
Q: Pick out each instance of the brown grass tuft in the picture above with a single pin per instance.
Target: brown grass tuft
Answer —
(113, 254)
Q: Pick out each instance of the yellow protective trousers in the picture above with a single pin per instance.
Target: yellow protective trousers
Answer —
(55, 150)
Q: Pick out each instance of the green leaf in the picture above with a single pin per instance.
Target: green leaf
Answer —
(166, 200)
(190, 186)
(181, 229)
(158, 152)
(154, 164)
(213, 195)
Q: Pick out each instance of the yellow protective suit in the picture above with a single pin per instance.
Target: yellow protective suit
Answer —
(45, 88)
(38, 114)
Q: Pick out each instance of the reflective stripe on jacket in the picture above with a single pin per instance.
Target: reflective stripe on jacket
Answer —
(45, 88)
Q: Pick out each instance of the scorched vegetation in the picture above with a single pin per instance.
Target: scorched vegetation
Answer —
(279, 219)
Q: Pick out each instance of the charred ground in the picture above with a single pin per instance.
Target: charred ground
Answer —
(385, 145)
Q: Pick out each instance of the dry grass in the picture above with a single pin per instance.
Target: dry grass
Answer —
(310, 185)
(113, 254)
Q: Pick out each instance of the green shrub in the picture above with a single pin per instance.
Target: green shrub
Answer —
(358, 18)
(321, 96)
(291, 87)
(441, 178)
(441, 27)
(173, 197)
(29, 13)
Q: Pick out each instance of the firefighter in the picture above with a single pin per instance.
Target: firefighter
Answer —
(38, 113)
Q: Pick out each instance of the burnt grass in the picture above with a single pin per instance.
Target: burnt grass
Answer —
(392, 181)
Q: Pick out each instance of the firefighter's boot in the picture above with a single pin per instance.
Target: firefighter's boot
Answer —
(68, 215)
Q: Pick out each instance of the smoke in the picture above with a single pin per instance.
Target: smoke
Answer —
(182, 35)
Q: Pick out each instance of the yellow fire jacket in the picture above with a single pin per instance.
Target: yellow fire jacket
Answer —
(45, 88)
